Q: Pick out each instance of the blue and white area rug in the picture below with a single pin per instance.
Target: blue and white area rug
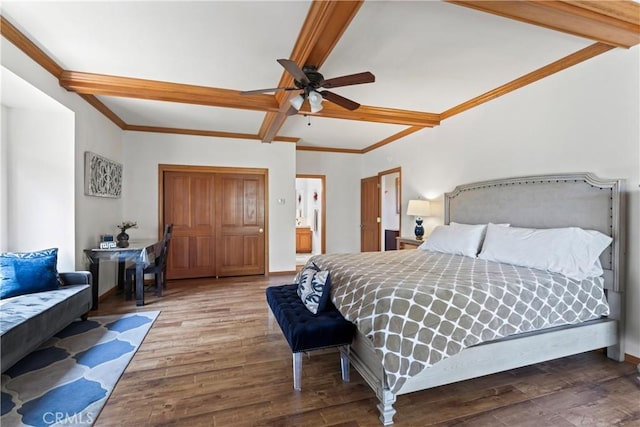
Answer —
(68, 379)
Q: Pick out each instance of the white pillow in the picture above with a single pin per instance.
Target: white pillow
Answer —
(484, 231)
(461, 239)
(570, 251)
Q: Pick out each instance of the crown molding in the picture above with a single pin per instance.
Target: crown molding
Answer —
(616, 23)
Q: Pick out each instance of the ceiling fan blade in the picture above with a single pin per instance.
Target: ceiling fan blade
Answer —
(274, 89)
(352, 79)
(294, 70)
(340, 100)
(291, 111)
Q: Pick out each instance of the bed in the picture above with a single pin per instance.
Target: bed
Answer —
(370, 288)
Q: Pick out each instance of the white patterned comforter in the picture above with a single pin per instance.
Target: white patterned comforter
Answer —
(418, 307)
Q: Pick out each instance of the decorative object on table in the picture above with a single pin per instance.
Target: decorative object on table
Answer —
(123, 237)
(85, 360)
(102, 177)
(107, 241)
(418, 208)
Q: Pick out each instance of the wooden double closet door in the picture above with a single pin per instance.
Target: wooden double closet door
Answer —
(218, 219)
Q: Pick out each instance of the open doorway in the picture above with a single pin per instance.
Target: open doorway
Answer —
(390, 204)
(310, 216)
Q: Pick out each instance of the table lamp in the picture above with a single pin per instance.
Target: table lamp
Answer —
(418, 208)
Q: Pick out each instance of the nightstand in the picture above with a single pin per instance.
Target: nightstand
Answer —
(408, 243)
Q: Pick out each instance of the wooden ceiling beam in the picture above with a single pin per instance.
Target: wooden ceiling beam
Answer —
(98, 105)
(614, 22)
(329, 149)
(211, 133)
(101, 84)
(324, 25)
(376, 114)
(105, 85)
(392, 138)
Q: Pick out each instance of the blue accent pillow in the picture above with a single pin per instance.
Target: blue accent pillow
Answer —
(28, 272)
(304, 276)
(315, 293)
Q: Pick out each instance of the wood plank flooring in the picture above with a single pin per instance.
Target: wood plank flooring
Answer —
(213, 358)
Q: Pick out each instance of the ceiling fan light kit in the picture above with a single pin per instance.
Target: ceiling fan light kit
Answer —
(297, 102)
(315, 101)
(309, 80)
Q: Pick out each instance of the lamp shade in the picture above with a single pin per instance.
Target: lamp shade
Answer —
(418, 208)
(297, 102)
(315, 101)
(316, 107)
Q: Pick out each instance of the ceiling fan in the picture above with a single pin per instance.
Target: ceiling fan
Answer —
(309, 80)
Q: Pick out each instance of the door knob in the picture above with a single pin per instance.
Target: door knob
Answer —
(260, 230)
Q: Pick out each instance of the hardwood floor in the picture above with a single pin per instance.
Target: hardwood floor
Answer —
(212, 358)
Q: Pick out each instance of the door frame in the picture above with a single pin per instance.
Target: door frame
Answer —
(323, 209)
(162, 168)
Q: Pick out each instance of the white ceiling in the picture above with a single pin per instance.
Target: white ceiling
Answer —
(427, 56)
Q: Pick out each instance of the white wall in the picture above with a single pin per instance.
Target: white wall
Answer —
(145, 151)
(40, 179)
(37, 172)
(342, 194)
(4, 201)
(583, 119)
(92, 132)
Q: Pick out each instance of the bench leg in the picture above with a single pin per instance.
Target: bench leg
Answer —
(270, 319)
(344, 362)
(297, 371)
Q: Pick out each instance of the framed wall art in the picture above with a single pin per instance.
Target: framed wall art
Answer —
(102, 177)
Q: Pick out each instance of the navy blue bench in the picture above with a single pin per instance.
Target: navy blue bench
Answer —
(306, 331)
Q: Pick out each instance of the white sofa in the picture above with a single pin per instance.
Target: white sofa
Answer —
(29, 320)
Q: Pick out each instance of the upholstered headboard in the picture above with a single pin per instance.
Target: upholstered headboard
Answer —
(548, 201)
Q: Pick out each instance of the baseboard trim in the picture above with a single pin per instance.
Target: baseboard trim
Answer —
(107, 294)
(632, 359)
(281, 273)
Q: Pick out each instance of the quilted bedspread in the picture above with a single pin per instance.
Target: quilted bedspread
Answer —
(418, 307)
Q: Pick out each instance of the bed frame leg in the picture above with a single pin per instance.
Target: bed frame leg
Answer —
(387, 399)
(616, 308)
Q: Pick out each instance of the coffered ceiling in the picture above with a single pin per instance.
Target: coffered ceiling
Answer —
(178, 67)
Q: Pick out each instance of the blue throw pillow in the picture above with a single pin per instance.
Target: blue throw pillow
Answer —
(28, 272)
(315, 293)
(304, 276)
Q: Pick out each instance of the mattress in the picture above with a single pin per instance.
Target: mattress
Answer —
(418, 307)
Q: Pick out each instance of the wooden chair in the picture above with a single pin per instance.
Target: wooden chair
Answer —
(158, 267)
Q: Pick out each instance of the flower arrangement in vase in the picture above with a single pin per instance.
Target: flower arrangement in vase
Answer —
(123, 237)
